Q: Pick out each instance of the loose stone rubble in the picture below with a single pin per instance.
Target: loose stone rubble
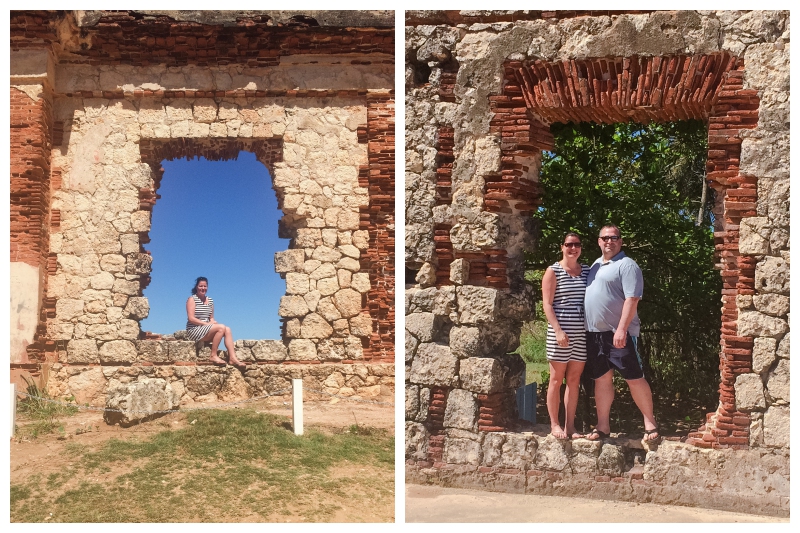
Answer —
(482, 88)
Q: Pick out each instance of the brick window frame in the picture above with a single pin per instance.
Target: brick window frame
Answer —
(708, 87)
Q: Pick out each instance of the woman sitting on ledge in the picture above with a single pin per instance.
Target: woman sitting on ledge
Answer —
(201, 325)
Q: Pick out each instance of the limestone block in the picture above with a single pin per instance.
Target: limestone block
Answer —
(292, 306)
(112, 263)
(103, 280)
(293, 328)
(312, 299)
(771, 304)
(411, 346)
(766, 156)
(361, 239)
(118, 352)
(755, 324)
(348, 220)
(296, 283)
(348, 250)
(476, 304)
(461, 410)
(302, 350)
(744, 301)
(181, 351)
(348, 263)
(412, 402)
(754, 233)
(308, 238)
(426, 277)
(353, 348)
(326, 255)
(140, 221)
(763, 354)
(137, 308)
(139, 264)
(321, 270)
(268, 350)
(128, 329)
(289, 261)
(416, 440)
(434, 365)
(348, 302)
(749, 392)
(179, 110)
(153, 351)
(423, 326)
(439, 301)
(328, 286)
(139, 401)
(756, 430)
(361, 325)
(776, 427)
(462, 451)
(204, 110)
(611, 461)
(360, 282)
(328, 310)
(459, 271)
(778, 240)
(778, 383)
(551, 455)
(87, 386)
(131, 288)
(129, 243)
(783, 347)
(344, 278)
(465, 341)
(67, 309)
(315, 327)
(82, 351)
(483, 375)
(773, 200)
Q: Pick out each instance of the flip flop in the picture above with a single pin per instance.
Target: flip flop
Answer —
(240, 366)
(216, 363)
(601, 435)
(576, 435)
(648, 433)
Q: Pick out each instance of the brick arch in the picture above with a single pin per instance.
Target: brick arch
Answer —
(707, 87)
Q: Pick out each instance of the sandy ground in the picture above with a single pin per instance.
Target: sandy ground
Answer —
(439, 504)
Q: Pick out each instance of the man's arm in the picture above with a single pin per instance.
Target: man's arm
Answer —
(628, 312)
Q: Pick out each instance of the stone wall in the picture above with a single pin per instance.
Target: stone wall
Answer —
(482, 89)
(121, 92)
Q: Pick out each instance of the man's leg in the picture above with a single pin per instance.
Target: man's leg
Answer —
(643, 397)
(603, 398)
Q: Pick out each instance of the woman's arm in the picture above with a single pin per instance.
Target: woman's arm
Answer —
(211, 319)
(548, 293)
(190, 313)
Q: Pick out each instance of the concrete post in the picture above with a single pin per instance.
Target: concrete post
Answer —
(297, 406)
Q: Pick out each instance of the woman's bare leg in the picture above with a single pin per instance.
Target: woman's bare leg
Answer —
(231, 350)
(574, 371)
(557, 371)
(215, 336)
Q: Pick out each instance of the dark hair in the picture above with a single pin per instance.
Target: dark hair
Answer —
(197, 282)
(609, 225)
(571, 234)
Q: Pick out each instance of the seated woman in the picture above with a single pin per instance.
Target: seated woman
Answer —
(201, 325)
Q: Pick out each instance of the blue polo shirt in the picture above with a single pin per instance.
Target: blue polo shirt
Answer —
(607, 287)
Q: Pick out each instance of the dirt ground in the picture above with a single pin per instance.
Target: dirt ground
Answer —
(47, 453)
(439, 504)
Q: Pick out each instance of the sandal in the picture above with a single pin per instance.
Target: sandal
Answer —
(648, 436)
(576, 435)
(239, 365)
(218, 363)
(601, 435)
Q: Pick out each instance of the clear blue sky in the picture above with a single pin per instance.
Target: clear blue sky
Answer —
(217, 219)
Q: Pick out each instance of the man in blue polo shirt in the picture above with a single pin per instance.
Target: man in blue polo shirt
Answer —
(613, 291)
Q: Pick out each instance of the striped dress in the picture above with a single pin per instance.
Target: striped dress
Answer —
(568, 307)
(202, 311)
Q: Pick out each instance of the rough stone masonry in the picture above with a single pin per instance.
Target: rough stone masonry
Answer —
(482, 88)
(100, 98)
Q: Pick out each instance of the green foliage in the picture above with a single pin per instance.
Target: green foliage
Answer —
(41, 413)
(649, 181)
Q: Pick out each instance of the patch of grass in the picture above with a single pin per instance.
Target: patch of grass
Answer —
(43, 415)
(226, 465)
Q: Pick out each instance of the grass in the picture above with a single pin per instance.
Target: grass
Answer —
(43, 415)
(226, 466)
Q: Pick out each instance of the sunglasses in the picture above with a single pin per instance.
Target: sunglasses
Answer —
(572, 244)
(610, 238)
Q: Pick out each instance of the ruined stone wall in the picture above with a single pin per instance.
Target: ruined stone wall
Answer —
(315, 116)
(481, 90)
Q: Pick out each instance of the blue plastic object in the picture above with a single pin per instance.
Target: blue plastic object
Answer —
(526, 402)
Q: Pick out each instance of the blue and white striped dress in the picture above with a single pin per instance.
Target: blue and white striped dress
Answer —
(568, 307)
(202, 311)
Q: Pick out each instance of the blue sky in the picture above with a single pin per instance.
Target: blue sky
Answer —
(217, 219)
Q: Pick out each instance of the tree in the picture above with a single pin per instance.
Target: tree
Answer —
(650, 181)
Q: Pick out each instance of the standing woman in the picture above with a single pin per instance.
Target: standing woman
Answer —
(563, 288)
(201, 325)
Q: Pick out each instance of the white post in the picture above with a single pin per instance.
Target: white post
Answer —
(13, 408)
(297, 406)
